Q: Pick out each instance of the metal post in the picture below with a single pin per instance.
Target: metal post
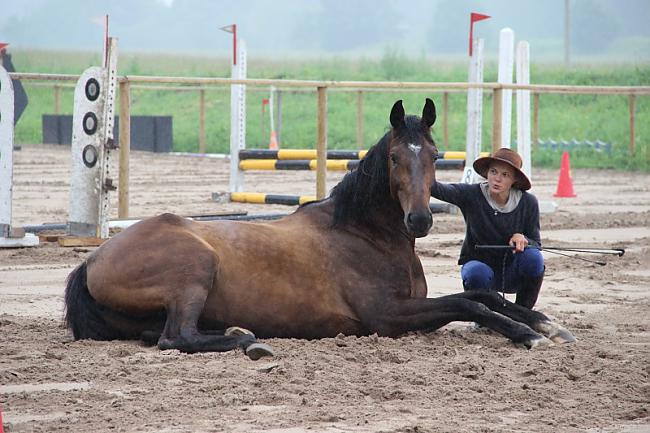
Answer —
(201, 121)
(497, 96)
(125, 149)
(321, 149)
(632, 107)
(360, 120)
(445, 120)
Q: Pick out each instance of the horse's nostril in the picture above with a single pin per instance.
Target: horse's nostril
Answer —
(419, 221)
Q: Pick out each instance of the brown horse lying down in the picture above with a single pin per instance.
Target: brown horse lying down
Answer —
(345, 264)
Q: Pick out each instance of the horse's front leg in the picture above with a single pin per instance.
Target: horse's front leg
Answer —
(398, 316)
(535, 319)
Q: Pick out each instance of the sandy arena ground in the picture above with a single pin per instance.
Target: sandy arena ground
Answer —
(452, 380)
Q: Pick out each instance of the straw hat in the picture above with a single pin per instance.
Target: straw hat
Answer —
(507, 156)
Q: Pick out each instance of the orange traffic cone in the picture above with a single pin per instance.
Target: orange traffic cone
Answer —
(565, 184)
(273, 144)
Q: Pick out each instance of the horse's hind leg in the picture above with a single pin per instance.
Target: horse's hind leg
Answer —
(536, 320)
(181, 330)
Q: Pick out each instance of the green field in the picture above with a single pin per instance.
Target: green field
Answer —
(562, 117)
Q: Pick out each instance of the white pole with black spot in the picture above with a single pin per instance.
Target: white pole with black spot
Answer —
(92, 145)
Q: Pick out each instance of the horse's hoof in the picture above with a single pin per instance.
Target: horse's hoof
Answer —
(555, 332)
(538, 342)
(236, 330)
(562, 335)
(257, 350)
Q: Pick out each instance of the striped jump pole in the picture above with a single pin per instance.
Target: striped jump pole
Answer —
(296, 200)
(302, 154)
(331, 164)
(261, 198)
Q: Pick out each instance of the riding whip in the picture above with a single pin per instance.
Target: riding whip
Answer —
(556, 250)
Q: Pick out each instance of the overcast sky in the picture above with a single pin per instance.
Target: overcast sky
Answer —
(616, 28)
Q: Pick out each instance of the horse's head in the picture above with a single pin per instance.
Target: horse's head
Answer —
(411, 155)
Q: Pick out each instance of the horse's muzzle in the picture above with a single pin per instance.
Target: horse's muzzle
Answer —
(418, 223)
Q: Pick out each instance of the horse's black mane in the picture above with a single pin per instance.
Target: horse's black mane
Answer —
(365, 192)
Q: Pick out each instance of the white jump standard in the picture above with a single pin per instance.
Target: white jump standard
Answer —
(92, 145)
(9, 236)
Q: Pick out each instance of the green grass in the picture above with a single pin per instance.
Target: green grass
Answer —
(583, 117)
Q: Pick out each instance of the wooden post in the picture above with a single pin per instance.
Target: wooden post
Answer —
(321, 150)
(202, 121)
(535, 121)
(497, 96)
(359, 120)
(445, 120)
(125, 149)
(57, 99)
(632, 106)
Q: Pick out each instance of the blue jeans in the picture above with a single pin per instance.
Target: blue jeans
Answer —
(477, 275)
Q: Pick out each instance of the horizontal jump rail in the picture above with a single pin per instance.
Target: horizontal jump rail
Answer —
(296, 200)
(331, 164)
(261, 198)
(296, 154)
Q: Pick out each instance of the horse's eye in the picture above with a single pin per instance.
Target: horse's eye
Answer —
(393, 158)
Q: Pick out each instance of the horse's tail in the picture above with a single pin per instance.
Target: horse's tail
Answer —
(83, 315)
(87, 318)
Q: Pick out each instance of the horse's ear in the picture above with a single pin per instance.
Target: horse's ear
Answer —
(397, 115)
(429, 113)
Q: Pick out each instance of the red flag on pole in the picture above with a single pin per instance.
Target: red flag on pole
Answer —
(474, 17)
(3, 45)
(232, 28)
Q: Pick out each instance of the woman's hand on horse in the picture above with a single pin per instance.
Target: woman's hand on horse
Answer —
(519, 242)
